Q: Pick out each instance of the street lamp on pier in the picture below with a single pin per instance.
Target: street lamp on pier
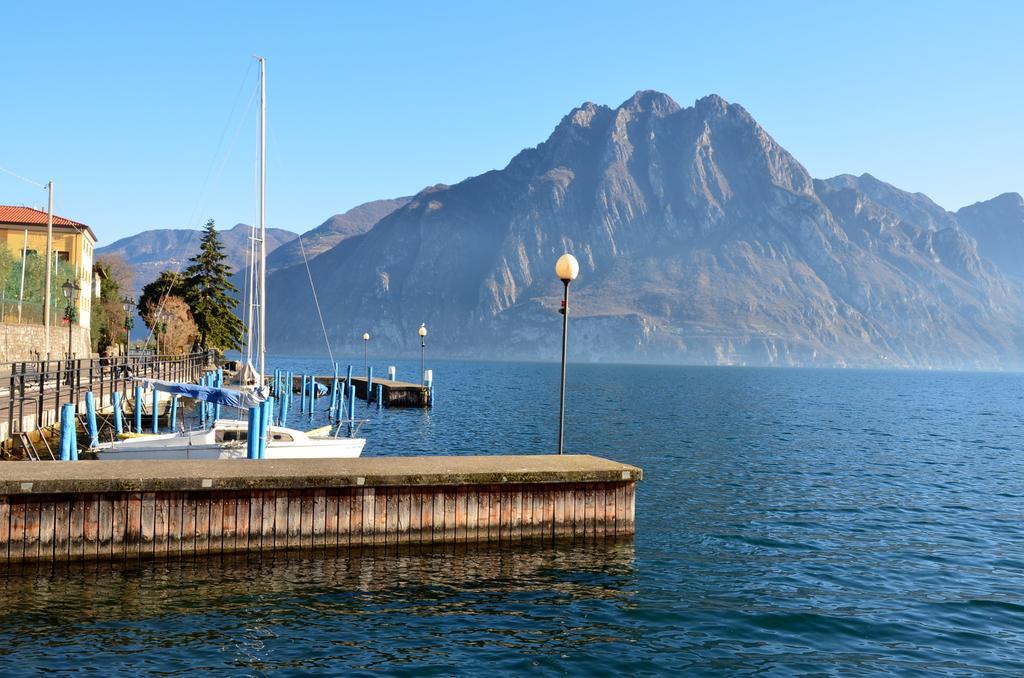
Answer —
(423, 346)
(366, 342)
(128, 304)
(566, 268)
(160, 327)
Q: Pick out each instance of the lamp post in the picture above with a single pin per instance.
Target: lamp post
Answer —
(160, 327)
(366, 342)
(423, 346)
(70, 292)
(566, 268)
(127, 304)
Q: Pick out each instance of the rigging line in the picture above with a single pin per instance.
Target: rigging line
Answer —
(18, 176)
(177, 270)
(204, 187)
(204, 192)
(316, 301)
(234, 140)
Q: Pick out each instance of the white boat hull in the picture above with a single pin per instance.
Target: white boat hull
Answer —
(226, 440)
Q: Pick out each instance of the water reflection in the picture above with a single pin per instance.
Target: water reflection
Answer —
(364, 610)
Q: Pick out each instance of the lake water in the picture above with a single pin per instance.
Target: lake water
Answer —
(790, 521)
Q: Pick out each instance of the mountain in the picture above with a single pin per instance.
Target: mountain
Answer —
(915, 208)
(700, 240)
(998, 227)
(151, 252)
(357, 220)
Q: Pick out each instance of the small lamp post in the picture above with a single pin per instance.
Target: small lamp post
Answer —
(127, 304)
(566, 268)
(366, 342)
(70, 293)
(160, 327)
(423, 346)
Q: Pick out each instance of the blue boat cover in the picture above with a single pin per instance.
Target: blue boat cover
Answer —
(211, 394)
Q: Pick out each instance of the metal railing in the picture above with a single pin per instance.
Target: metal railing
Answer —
(39, 387)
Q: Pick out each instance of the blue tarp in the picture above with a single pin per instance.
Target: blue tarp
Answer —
(210, 394)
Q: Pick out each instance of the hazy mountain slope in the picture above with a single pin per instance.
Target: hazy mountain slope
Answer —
(998, 227)
(357, 220)
(700, 240)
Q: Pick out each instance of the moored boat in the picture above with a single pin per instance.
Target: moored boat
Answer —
(228, 439)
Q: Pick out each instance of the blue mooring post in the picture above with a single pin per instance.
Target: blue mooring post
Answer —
(339, 412)
(202, 404)
(90, 419)
(118, 421)
(68, 443)
(138, 409)
(380, 396)
(334, 397)
(219, 384)
(268, 408)
(207, 406)
(348, 378)
(312, 395)
(369, 383)
(156, 402)
(173, 423)
(302, 395)
(285, 399)
(252, 441)
(351, 407)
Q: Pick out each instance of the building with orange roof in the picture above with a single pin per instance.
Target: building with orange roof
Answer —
(23, 234)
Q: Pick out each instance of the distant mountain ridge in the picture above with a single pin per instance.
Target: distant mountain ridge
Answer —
(700, 239)
(998, 227)
(151, 252)
(339, 227)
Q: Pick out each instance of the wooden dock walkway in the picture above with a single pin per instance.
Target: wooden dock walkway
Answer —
(394, 393)
(120, 510)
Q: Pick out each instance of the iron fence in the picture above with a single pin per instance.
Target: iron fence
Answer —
(39, 387)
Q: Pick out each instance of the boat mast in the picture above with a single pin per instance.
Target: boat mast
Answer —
(263, 226)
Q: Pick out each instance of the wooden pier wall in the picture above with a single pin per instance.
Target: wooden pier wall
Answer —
(115, 510)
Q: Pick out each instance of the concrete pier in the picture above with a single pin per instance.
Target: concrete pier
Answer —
(115, 510)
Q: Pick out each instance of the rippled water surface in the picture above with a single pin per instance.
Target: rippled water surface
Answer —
(790, 521)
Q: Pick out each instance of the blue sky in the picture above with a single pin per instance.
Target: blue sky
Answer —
(139, 112)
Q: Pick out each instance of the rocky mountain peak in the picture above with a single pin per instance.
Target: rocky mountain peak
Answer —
(650, 101)
(1005, 205)
(915, 208)
(583, 115)
(998, 227)
(711, 105)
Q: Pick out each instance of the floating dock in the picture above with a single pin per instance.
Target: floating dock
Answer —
(393, 393)
(119, 510)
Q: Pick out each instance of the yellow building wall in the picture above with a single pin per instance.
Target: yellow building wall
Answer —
(79, 247)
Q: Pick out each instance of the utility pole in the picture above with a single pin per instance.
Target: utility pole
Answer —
(49, 270)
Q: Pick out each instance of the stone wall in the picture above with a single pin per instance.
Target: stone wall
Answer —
(26, 342)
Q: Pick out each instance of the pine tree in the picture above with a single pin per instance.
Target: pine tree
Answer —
(207, 292)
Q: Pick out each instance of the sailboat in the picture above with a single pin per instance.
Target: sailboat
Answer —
(228, 438)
